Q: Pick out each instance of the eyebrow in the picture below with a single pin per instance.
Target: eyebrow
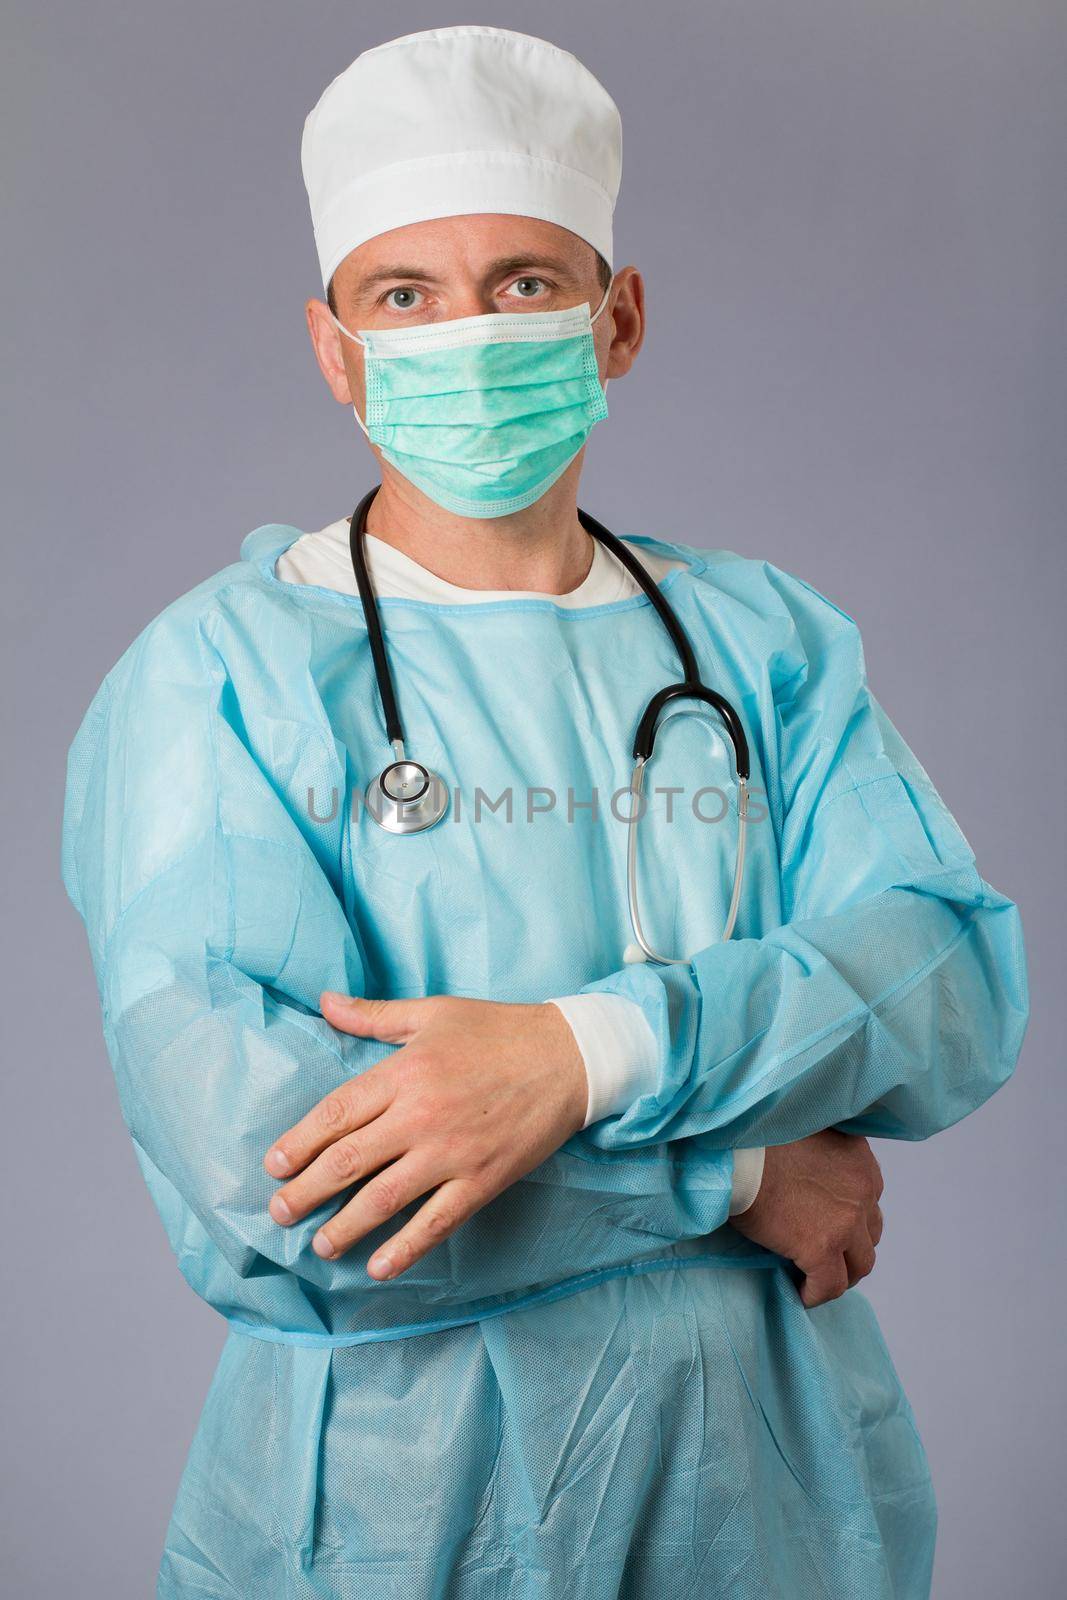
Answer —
(495, 269)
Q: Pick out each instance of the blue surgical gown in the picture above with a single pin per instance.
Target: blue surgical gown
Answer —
(596, 1389)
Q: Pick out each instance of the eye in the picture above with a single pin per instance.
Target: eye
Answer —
(406, 298)
(528, 287)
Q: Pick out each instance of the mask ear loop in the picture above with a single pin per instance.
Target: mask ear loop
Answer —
(355, 340)
(593, 318)
(604, 301)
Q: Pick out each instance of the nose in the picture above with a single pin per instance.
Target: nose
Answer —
(471, 301)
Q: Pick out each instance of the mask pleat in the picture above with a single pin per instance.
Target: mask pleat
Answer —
(486, 408)
(501, 471)
(491, 422)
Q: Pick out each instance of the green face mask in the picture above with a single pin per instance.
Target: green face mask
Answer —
(483, 413)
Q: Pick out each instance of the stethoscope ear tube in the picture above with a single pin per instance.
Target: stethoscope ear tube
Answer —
(645, 738)
(652, 591)
(386, 693)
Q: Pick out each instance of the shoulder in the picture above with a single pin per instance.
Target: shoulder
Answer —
(765, 614)
(171, 670)
(146, 747)
(182, 639)
(755, 582)
(146, 728)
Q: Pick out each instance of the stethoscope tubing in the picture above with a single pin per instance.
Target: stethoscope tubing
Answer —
(690, 687)
(386, 692)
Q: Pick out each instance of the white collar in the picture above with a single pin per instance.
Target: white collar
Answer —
(324, 559)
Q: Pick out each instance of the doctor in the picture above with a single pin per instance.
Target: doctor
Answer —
(535, 1255)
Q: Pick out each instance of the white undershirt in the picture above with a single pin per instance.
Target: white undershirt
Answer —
(325, 559)
(612, 1033)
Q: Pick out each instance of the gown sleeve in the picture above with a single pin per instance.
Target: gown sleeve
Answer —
(214, 924)
(892, 1000)
(213, 929)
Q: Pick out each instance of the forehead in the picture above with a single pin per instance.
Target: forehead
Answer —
(444, 247)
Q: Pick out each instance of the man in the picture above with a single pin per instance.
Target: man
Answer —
(534, 1252)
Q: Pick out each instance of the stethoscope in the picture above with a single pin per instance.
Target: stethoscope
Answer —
(407, 797)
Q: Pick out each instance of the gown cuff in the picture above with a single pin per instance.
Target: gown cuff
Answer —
(748, 1175)
(621, 1059)
(618, 1047)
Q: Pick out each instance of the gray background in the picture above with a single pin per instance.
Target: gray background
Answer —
(850, 215)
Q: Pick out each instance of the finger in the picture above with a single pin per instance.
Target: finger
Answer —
(391, 1021)
(395, 1187)
(859, 1262)
(452, 1204)
(341, 1164)
(828, 1281)
(875, 1223)
(342, 1111)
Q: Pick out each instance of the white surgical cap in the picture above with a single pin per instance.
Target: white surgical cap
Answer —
(459, 120)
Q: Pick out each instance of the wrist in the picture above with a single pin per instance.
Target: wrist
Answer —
(747, 1179)
(574, 1081)
(617, 1047)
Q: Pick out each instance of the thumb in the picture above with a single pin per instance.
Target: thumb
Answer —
(392, 1021)
(827, 1281)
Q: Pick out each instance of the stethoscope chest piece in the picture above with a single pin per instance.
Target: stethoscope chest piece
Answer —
(406, 797)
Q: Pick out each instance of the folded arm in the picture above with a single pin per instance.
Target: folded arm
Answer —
(215, 925)
(892, 999)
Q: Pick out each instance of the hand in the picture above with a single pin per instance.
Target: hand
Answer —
(818, 1207)
(479, 1095)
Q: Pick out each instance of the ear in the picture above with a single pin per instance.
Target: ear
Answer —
(625, 312)
(340, 360)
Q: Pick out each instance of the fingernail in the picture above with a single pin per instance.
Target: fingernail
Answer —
(381, 1266)
(279, 1210)
(322, 1246)
(278, 1163)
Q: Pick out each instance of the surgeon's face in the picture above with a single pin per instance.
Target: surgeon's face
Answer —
(467, 266)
